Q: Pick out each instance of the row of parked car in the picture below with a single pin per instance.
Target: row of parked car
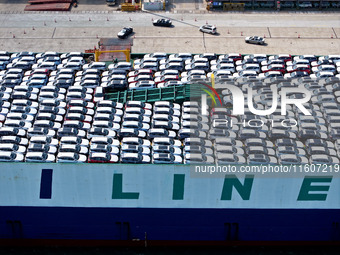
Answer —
(162, 70)
(157, 69)
(261, 151)
(58, 114)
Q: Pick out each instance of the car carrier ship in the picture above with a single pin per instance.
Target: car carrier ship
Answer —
(153, 204)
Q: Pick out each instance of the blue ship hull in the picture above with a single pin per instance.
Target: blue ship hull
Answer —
(141, 225)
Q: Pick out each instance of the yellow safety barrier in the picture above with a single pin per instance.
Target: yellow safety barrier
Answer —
(130, 7)
(97, 53)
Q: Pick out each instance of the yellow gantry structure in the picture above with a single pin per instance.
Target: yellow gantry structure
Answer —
(97, 53)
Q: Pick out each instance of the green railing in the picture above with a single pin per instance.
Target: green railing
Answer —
(174, 94)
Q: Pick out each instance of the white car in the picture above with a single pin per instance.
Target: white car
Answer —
(147, 65)
(131, 132)
(170, 60)
(12, 71)
(104, 140)
(80, 60)
(182, 55)
(249, 67)
(62, 71)
(219, 74)
(298, 67)
(87, 77)
(134, 158)
(192, 72)
(323, 159)
(44, 140)
(196, 60)
(65, 131)
(46, 95)
(95, 65)
(197, 141)
(270, 74)
(166, 78)
(39, 157)
(39, 147)
(33, 76)
(333, 58)
(230, 159)
(127, 66)
(104, 148)
(113, 77)
(261, 159)
(47, 54)
(199, 66)
(321, 75)
(157, 141)
(198, 158)
(18, 124)
(223, 66)
(70, 157)
(142, 85)
(73, 148)
(166, 72)
(194, 79)
(210, 29)
(161, 132)
(8, 156)
(53, 103)
(20, 116)
(257, 57)
(246, 73)
(14, 139)
(166, 104)
(284, 57)
(47, 124)
(166, 158)
(144, 60)
(136, 141)
(298, 62)
(76, 124)
(77, 66)
(71, 54)
(44, 65)
(157, 55)
(228, 149)
(141, 77)
(12, 147)
(129, 148)
(106, 124)
(224, 60)
(140, 71)
(72, 140)
(60, 76)
(324, 68)
(90, 71)
(167, 149)
(255, 40)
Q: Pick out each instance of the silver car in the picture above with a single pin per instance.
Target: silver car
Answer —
(255, 40)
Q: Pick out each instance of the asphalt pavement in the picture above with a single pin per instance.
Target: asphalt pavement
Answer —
(82, 27)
